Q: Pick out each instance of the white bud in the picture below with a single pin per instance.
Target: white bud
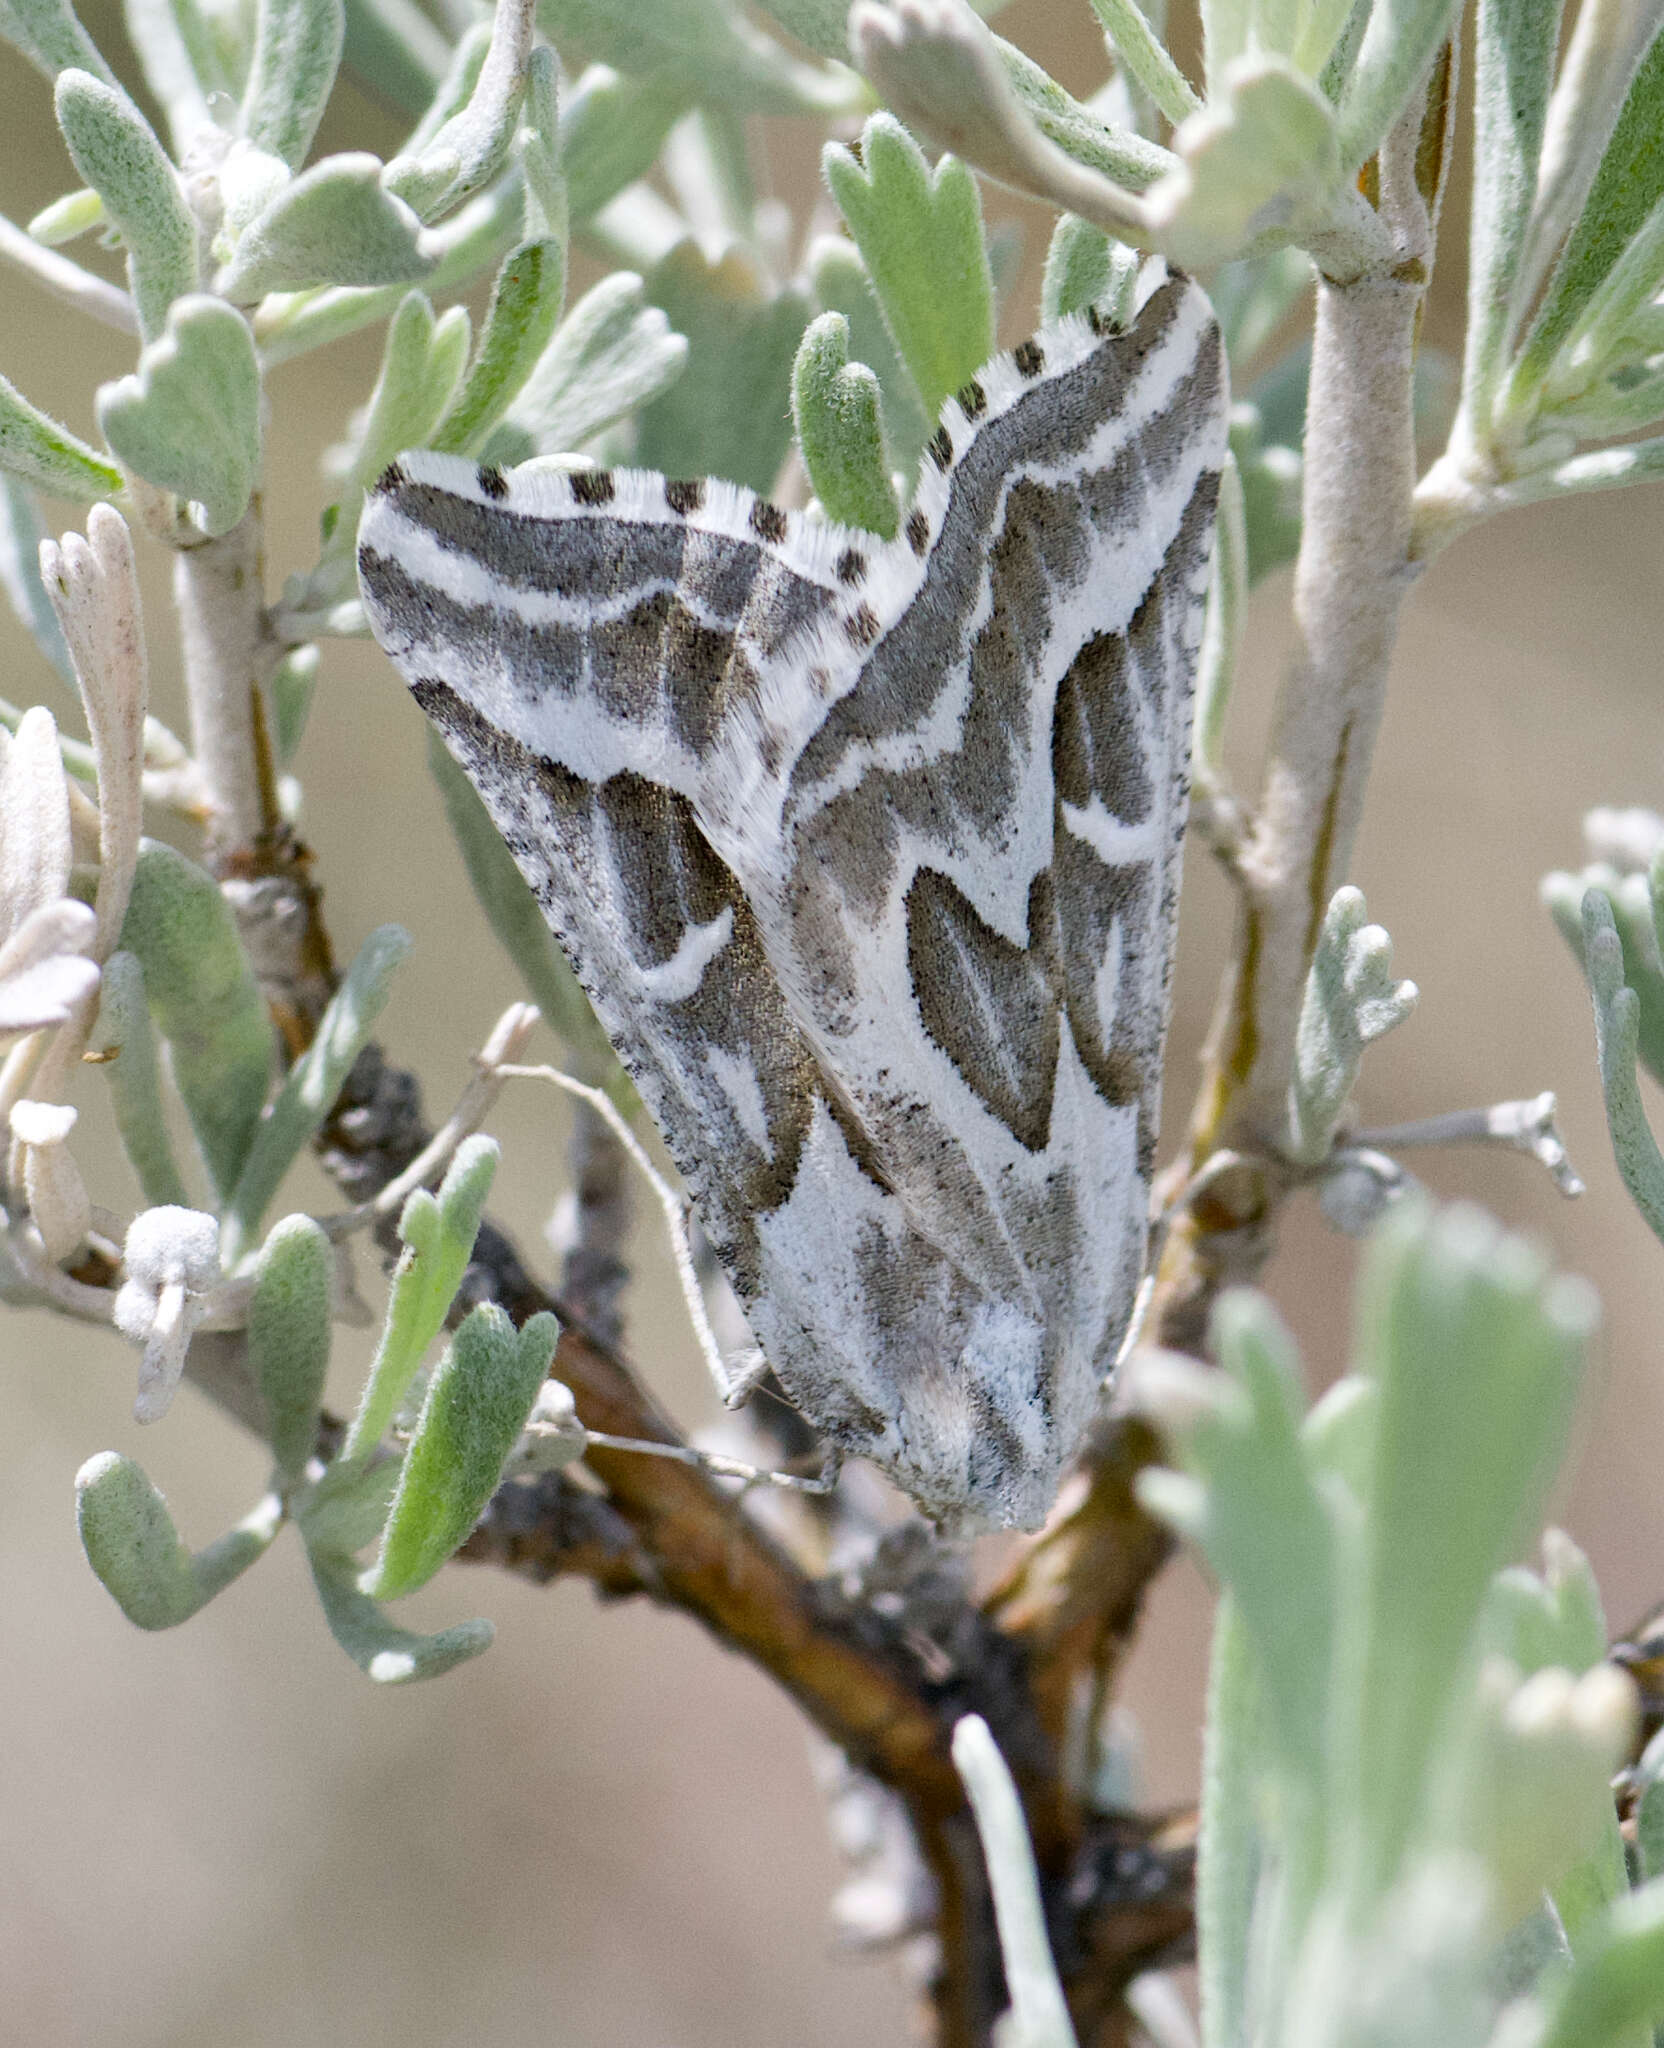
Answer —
(173, 1261)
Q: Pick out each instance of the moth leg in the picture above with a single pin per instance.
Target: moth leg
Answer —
(721, 1467)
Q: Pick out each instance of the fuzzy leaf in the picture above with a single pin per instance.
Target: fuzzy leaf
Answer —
(189, 421)
(312, 1084)
(67, 219)
(840, 430)
(35, 447)
(512, 912)
(1085, 268)
(472, 146)
(1259, 160)
(1351, 999)
(50, 35)
(1628, 185)
(132, 1545)
(123, 1029)
(612, 353)
(1553, 1620)
(421, 365)
(476, 1406)
(438, 1233)
(1515, 43)
(334, 225)
(297, 51)
(1477, 1353)
(288, 1336)
(525, 304)
(1398, 46)
(116, 151)
(1617, 1045)
(705, 47)
(1649, 1829)
(205, 1001)
(841, 285)
(920, 235)
(729, 412)
(381, 1650)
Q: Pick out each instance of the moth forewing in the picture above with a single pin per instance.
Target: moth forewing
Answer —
(867, 854)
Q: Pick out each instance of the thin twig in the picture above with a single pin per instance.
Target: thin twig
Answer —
(67, 281)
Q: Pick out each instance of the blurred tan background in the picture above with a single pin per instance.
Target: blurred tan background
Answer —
(605, 1830)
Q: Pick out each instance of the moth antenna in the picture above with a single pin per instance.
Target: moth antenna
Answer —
(733, 1386)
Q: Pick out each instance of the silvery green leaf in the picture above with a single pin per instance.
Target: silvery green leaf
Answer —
(1597, 336)
(1351, 999)
(289, 695)
(476, 1405)
(135, 1080)
(1399, 44)
(184, 63)
(334, 225)
(132, 1545)
(395, 44)
(1259, 160)
(438, 1232)
(1618, 1012)
(472, 146)
(729, 412)
(611, 131)
(1626, 188)
(526, 302)
(709, 48)
(481, 235)
(1556, 1619)
(920, 235)
(453, 91)
(840, 430)
(288, 1336)
(421, 366)
(115, 150)
(548, 204)
(312, 1084)
(297, 52)
(1477, 1351)
(21, 533)
(1615, 1987)
(1087, 268)
(1228, 1861)
(512, 912)
(36, 448)
(1515, 42)
(189, 420)
(50, 35)
(1266, 1527)
(382, 1651)
(1146, 58)
(67, 219)
(1039, 2014)
(205, 1003)
(841, 285)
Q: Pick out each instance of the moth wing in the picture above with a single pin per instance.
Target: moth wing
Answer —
(982, 838)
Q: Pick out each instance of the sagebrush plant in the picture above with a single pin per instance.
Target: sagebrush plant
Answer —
(1408, 1831)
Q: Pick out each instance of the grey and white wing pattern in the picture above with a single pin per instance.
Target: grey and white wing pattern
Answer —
(867, 855)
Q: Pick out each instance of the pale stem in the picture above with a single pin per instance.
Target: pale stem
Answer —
(67, 281)
(1350, 581)
(217, 587)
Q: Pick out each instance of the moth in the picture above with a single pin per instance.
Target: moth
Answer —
(867, 855)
